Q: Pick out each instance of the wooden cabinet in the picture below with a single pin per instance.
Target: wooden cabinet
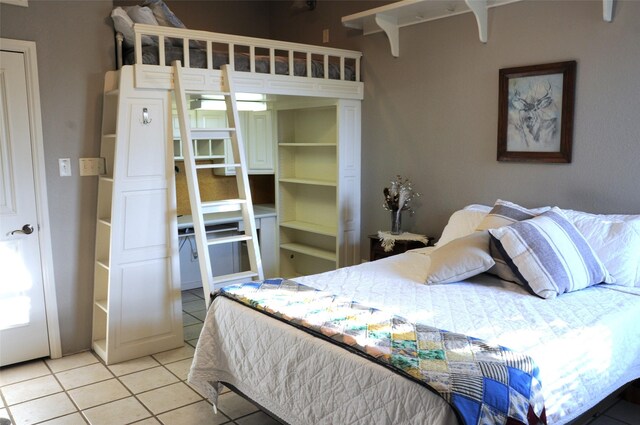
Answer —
(258, 136)
(259, 139)
(318, 185)
(137, 308)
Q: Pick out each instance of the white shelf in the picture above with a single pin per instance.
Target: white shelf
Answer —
(309, 181)
(103, 265)
(390, 18)
(310, 227)
(102, 304)
(100, 347)
(309, 250)
(308, 144)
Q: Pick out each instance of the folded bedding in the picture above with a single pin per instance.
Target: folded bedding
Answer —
(198, 59)
(156, 12)
(483, 383)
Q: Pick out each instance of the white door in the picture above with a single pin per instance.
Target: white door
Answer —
(23, 324)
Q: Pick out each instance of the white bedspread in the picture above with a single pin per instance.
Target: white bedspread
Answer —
(586, 344)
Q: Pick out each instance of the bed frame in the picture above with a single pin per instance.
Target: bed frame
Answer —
(197, 79)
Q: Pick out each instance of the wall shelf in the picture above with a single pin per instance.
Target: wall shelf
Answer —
(390, 18)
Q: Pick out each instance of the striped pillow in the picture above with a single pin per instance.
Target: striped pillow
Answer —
(505, 213)
(550, 255)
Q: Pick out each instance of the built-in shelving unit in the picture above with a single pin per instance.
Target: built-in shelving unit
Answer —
(318, 180)
(257, 131)
(390, 18)
(136, 295)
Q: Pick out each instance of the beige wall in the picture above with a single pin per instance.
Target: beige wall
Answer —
(75, 48)
(431, 114)
(74, 44)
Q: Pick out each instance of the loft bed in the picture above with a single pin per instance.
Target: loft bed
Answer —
(264, 66)
(136, 229)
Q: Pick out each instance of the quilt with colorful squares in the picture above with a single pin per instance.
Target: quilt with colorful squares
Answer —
(484, 383)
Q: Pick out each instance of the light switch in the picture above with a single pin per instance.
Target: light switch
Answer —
(64, 164)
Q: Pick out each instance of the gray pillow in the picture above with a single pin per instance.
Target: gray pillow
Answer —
(123, 24)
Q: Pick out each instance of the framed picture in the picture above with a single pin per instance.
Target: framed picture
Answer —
(535, 112)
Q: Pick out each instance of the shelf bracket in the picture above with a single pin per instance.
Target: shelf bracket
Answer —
(390, 26)
(479, 9)
(607, 10)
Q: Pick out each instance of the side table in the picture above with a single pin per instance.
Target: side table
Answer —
(377, 251)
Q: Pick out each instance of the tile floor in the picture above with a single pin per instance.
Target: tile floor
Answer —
(80, 389)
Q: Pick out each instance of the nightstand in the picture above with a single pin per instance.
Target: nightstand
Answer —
(376, 251)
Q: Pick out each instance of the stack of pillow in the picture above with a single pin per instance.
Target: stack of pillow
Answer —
(548, 250)
(151, 12)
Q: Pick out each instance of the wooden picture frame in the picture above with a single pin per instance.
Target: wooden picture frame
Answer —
(535, 112)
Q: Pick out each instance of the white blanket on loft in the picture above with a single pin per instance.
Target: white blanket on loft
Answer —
(586, 344)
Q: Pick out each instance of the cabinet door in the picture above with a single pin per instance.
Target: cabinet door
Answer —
(259, 145)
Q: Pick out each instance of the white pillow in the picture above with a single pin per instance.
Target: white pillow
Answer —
(616, 241)
(462, 223)
(550, 255)
(460, 259)
(123, 23)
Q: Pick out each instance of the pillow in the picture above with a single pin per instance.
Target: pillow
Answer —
(460, 259)
(616, 241)
(550, 255)
(461, 223)
(167, 18)
(123, 23)
(163, 14)
(505, 213)
(141, 15)
(501, 268)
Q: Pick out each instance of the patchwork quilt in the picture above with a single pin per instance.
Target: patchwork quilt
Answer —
(484, 383)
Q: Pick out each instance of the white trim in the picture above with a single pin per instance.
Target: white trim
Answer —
(28, 48)
(23, 3)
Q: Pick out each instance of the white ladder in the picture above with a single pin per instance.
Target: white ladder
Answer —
(200, 208)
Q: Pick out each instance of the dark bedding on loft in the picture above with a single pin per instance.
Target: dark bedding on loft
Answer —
(198, 59)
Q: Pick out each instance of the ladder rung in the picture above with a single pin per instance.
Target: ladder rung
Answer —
(211, 133)
(228, 239)
(232, 277)
(201, 166)
(222, 206)
(209, 94)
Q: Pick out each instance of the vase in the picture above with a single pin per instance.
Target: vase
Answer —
(396, 222)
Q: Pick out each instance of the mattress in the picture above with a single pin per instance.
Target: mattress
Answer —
(586, 344)
(198, 59)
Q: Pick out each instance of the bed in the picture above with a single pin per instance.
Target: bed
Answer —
(586, 343)
(151, 37)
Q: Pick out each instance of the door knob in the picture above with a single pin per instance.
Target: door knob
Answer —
(27, 229)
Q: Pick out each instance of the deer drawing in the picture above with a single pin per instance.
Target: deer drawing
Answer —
(537, 115)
